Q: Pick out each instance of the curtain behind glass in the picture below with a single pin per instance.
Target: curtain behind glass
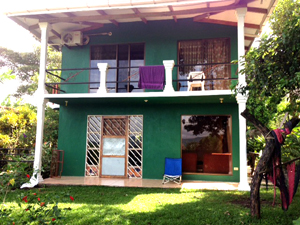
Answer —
(206, 52)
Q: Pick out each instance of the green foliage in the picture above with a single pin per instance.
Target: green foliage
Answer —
(273, 68)
(36, 208)
(296, 222)
(291, 148)
(51, 127)
(7, 76)
(13, 175)
(256, 144)
(25, 66)
(46, 159)
(17, 127)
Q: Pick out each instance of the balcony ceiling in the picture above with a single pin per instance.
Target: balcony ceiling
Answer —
(86, 16)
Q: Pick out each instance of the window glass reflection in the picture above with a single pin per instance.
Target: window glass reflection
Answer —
(206, 144)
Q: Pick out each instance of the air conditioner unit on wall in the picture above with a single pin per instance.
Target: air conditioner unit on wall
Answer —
(73, 38)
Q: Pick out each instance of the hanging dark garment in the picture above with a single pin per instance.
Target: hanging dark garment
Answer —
(288, 183)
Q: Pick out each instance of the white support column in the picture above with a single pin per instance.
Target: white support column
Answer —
(169, 64)
(241, 100)
(103, 67)
(243, 185)
(37, 165)
(241, 13)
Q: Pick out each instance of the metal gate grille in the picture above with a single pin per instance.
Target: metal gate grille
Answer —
(115, 127)
(135, 147)
(93, 146)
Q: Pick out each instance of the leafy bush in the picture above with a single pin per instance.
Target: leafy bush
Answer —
(36, 208)
(291, 148)
(14, 175)
(46, 159)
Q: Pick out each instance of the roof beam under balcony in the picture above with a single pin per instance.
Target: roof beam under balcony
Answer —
(247, 25)
(172, 10)
(203, 16)
(137, 12)
(55, 33)
(140, 15)
(103, 13)
(95, 27)
(257, 10)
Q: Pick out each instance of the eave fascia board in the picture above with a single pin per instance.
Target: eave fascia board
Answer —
(129, 5)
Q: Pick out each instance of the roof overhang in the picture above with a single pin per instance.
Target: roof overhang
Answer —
(87, 16)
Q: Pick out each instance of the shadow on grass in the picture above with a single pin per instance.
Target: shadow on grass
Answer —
(160, 206)
(108, 205)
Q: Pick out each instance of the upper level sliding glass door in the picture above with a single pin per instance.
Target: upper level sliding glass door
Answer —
(125, 59)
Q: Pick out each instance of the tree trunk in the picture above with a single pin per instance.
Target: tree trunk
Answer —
(257, 177)
(263, 163)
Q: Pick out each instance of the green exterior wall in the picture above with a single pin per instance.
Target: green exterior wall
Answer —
(162, 122)
(160, 38)
(161, 134)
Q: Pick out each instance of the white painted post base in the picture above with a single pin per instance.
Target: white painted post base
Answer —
(169, 64)
(33, 181)
(103, 67)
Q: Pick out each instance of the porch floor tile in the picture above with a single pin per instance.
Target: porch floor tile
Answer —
(144, 183)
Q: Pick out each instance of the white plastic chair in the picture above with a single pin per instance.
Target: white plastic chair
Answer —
(196, 83)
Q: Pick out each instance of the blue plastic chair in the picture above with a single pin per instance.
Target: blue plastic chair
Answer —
(173, 170)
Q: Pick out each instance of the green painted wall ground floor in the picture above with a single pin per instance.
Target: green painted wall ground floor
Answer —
(161, 134)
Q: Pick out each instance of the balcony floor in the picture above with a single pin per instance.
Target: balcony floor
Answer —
(140, 97)
(142, 183)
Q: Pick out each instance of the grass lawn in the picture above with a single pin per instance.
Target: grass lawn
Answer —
(152, 206)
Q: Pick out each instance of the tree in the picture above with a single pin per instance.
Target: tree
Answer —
(25, 66)
(6, 76)
(273, 75)
(17, 126)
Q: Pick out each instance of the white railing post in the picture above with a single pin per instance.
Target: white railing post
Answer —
(103, 67)
(169, 64)
(242, 100)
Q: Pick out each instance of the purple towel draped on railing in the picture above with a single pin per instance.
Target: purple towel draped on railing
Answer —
(152, 77)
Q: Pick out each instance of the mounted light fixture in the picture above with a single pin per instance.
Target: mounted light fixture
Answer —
(145, 100)
(221, 100)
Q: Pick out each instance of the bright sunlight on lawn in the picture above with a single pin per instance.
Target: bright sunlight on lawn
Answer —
(108, 205)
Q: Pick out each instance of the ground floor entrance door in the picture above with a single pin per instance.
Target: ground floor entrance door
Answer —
(113, 148)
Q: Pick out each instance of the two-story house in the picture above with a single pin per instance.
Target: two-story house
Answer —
(142, 80)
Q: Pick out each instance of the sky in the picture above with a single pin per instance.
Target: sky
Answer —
(18, 39)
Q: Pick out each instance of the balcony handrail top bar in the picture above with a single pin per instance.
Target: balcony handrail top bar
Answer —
(113, 82)
(136, 67)
(204, 64)
(199, 79)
